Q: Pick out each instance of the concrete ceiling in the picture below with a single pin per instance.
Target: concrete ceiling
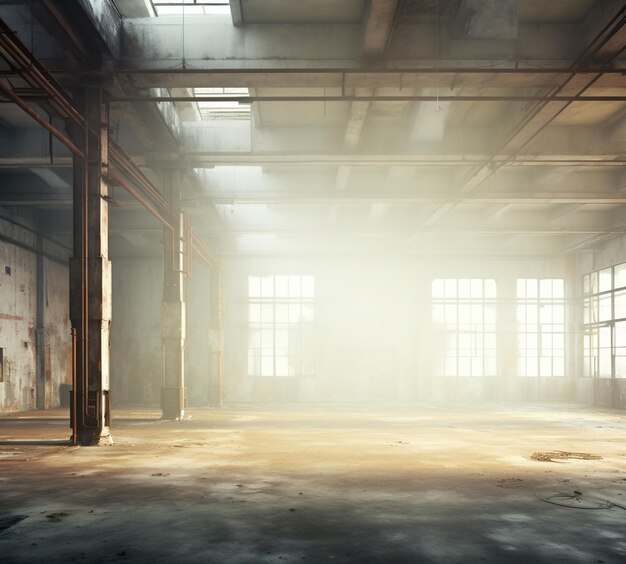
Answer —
(302, 11)
(310, 176)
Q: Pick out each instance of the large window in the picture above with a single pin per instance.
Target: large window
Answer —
(222, 109)
(605, 323)
(280, 318)
(541, 327)
(464, 322)
(190, 7)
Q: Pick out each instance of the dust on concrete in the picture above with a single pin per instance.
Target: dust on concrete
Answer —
(562, 455)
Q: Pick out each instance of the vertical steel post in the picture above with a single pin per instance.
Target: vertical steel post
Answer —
(90, 274)
(173, 308)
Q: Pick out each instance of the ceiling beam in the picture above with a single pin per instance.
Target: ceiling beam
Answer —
(380, 17)
(236, 12)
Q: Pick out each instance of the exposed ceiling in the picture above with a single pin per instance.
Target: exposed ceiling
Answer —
(339, 170)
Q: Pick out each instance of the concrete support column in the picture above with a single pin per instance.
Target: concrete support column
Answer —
(216, 340)
(173, 309)
(90, 274)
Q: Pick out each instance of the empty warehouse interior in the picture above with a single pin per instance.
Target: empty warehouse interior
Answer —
(313, 280)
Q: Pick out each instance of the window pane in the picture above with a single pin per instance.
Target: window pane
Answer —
(464, 288)
(558, 288)
(605, 307)
(545, 288)
(254, 286)
(282, 313)
(605, 280)
(450, 288)
(438, 288)
(254, 313)
(620, 305)
(295, 286)
(620, 275)
(267, 286)
(282, 286)
(477, 288)
(308, 287)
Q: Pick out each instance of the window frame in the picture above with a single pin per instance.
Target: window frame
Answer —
(603, 327)
(283, 317)
(469, 338)
(526, 303)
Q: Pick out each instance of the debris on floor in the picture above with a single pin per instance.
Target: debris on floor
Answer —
(509, 482)
(56, 517)
(578, 500)
(558, 455)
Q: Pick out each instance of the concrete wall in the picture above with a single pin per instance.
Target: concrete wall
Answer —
(373, 333)
(136, 350)
(598, 391)
(18, 318)
(197, 352)
(136, 355)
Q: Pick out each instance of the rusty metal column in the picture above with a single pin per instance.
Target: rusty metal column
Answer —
(90, 275)
(216, 339)
(173, 308)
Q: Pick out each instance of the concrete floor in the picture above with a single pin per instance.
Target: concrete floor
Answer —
(291, 485)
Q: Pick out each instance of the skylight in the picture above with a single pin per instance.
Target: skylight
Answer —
(222, 109)
(190, 7)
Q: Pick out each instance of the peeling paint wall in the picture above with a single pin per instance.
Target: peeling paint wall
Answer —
(57, 339)
(18, 318)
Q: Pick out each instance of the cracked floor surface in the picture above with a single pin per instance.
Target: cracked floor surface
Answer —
(313, 484)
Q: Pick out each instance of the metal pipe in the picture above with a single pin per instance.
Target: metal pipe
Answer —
(375, 70)
(349, 98)
(40, 120)
(118, 179)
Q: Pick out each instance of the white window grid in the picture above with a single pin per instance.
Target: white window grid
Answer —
(281, 311)
(190, 7)
(541, 327)
(464, 315)
(604, 322)
(222, 109)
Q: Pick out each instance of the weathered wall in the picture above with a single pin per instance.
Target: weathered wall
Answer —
(57, 334)
(373, 332)
(136, 356)
(18, 318)
(197, 353)
(136, 350)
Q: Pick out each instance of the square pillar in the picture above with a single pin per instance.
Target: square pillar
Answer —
(173, 308)
(216, 340)
(90, 274)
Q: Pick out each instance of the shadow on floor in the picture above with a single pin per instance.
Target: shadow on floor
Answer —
(36, 442)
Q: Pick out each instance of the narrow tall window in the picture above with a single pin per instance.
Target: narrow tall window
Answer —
(604, 318)
(464, 322)
(541, 327)
(280, 319)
